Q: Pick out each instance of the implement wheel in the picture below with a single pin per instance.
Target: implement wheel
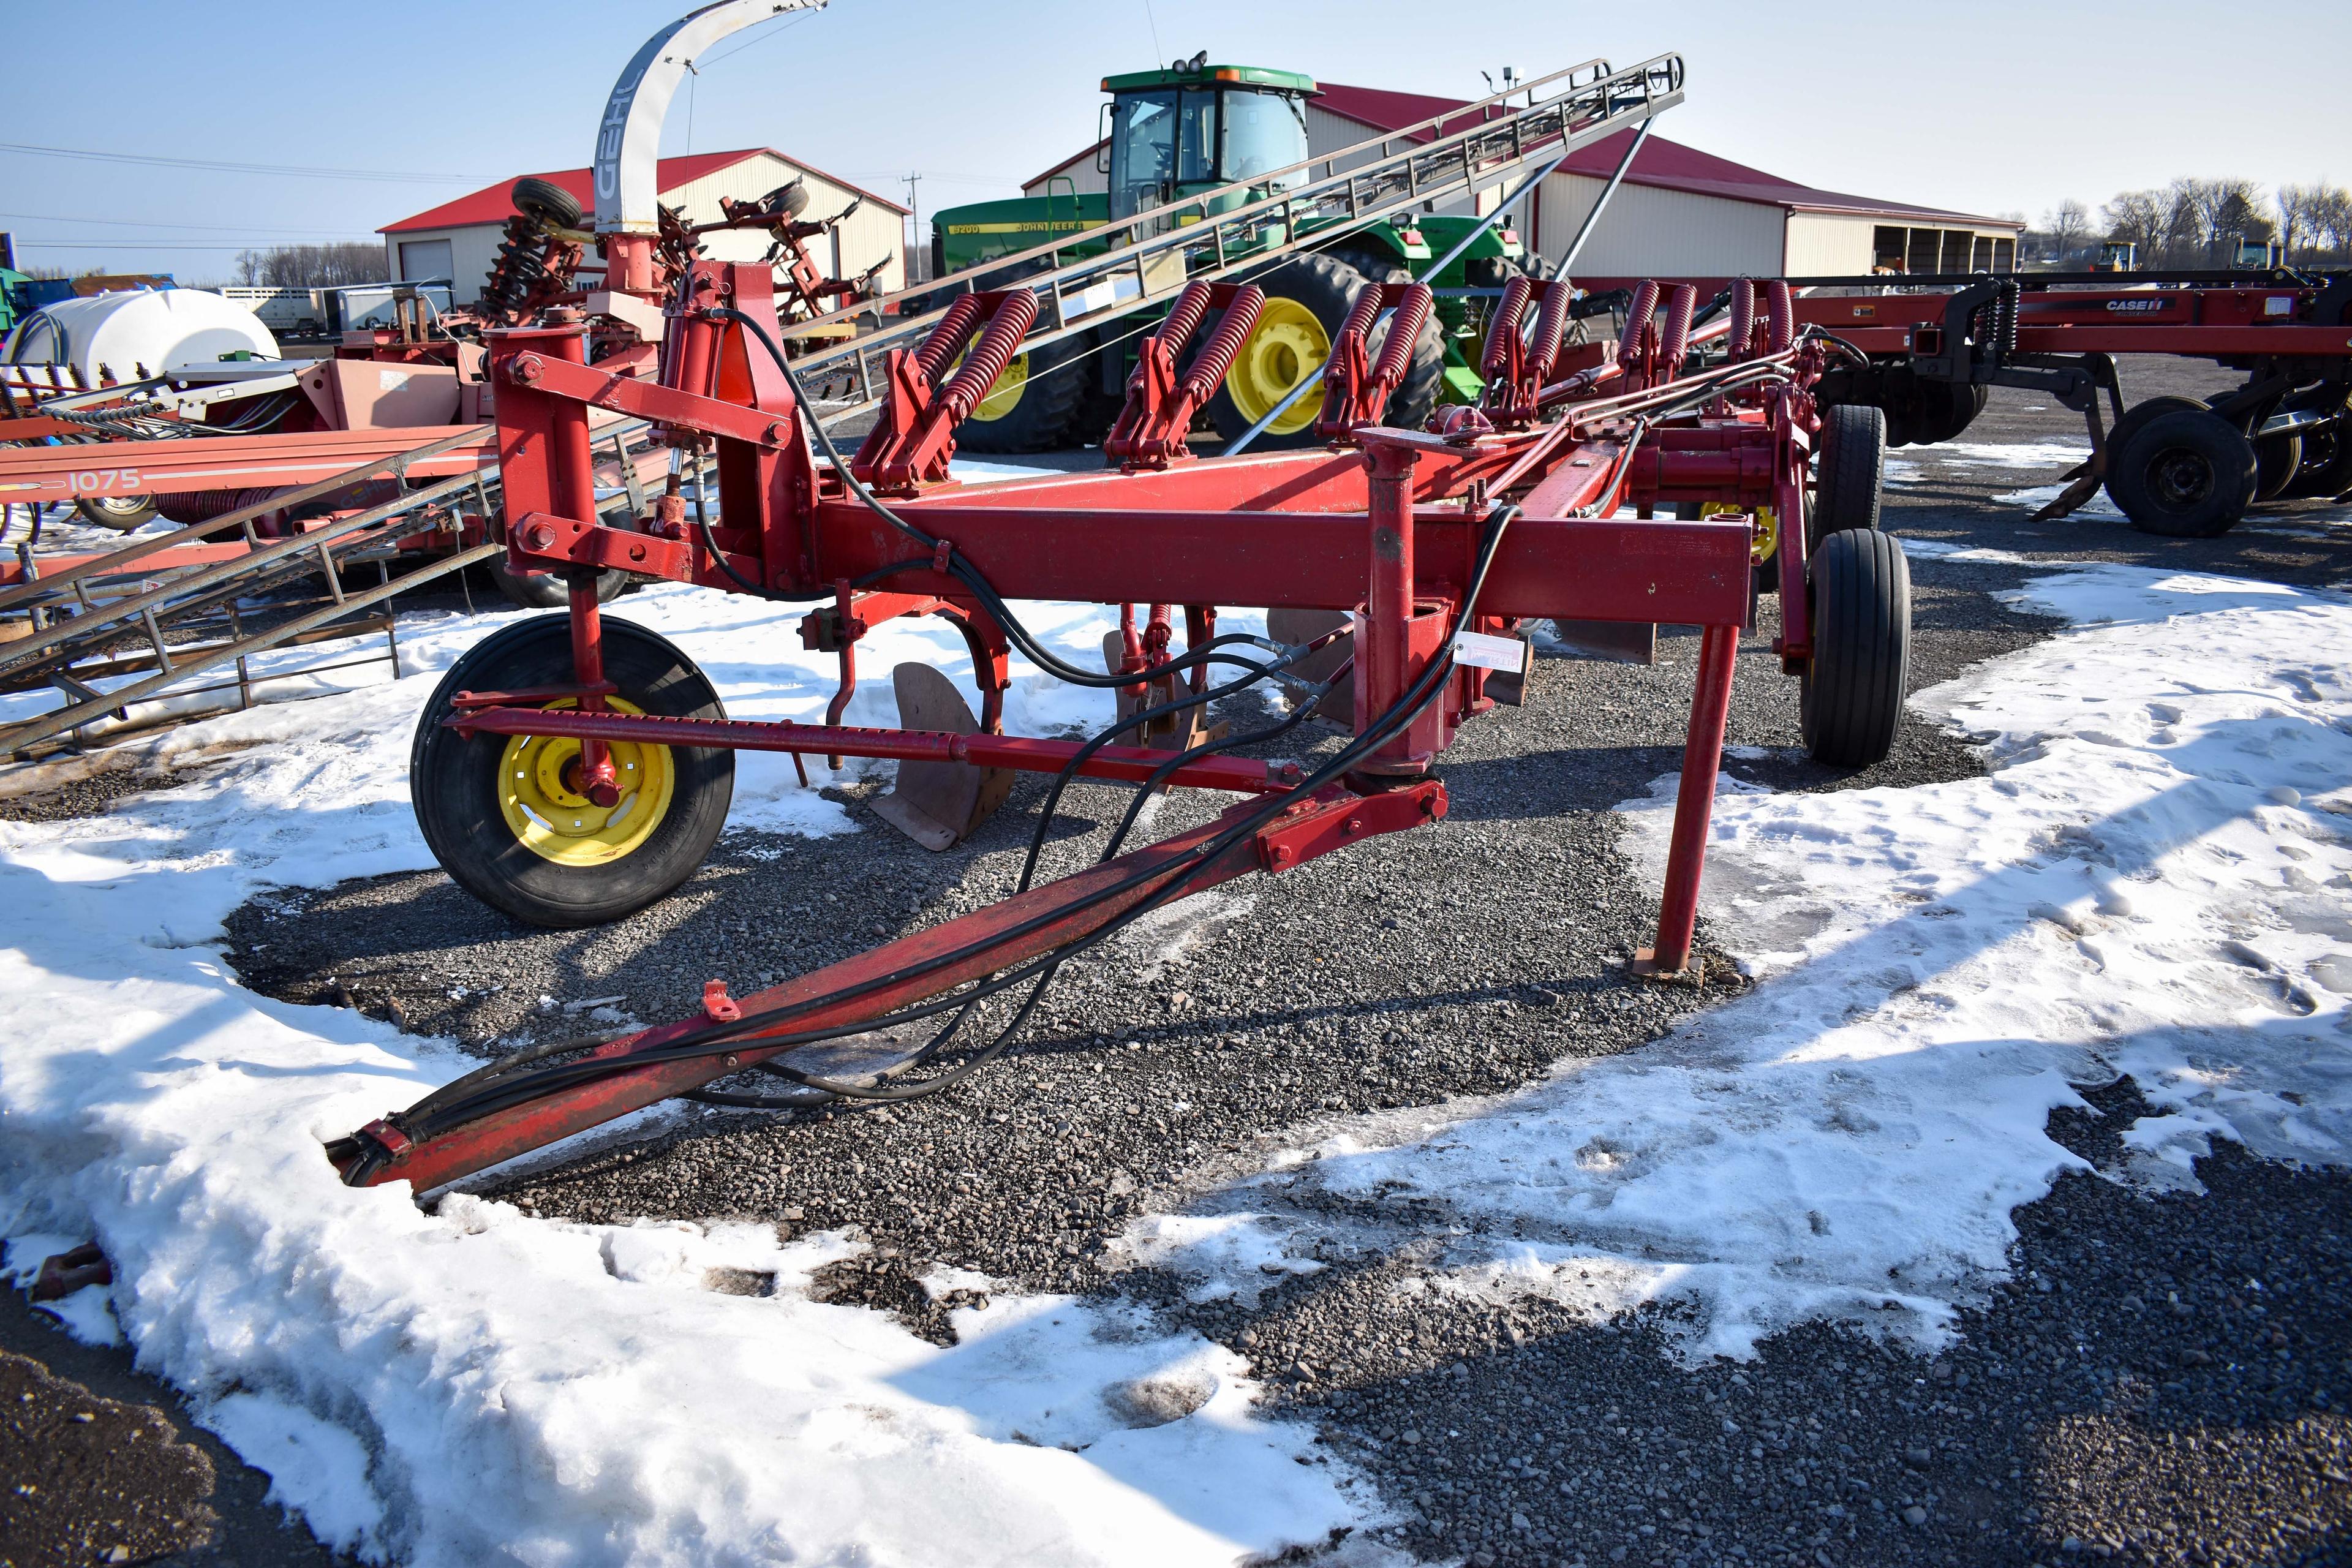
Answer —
(2188, 473)
(1851, 471)
(2327, 468)
(503, 812)
(1027, 409)
(122, 513)
(547, 590)
(1859, 587)
(546, 202)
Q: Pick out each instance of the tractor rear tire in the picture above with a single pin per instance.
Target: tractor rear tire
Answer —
(546, 202)
(1308, 297)
(1031, 406)
(499, 811)
(121, 513)
(2188, 473)
(1850, 473)
(546, 590)
(1851, 702)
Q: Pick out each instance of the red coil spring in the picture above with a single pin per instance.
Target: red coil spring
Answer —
(1404, 331)
(947, 338)
(1779, 315)
(1637, 318)
(1505, 327)
(1743, 317)
(988, 356)
(1184, 319)
(1361, 314)
(1551, 326)
(1682, 305)
(1225, 342)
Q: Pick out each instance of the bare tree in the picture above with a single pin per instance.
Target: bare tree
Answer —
(2137, 219)
(2331, 220)
(313, 266)
(2066, 226)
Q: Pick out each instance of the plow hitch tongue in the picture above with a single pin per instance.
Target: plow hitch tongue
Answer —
(531, 1100)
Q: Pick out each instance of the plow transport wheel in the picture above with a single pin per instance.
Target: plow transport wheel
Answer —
(939, 804)
(505, 815)
(1853, 691)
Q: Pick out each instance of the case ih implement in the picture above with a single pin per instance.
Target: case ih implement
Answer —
(2173, 464)
(575, 768)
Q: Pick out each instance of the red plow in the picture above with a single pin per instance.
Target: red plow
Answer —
(576, 768)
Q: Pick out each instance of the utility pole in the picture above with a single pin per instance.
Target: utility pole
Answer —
(915, 239)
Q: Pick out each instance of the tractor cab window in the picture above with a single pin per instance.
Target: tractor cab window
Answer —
(1264, 131)
(1160, 141)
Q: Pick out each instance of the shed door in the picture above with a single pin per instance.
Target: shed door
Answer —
(423, 258)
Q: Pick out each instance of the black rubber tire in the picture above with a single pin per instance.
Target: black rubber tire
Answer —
(1850, 471)
(1038, 420)
(1851, 701)
(2277, 459)
(2326, 467)
(546, 202)
(547, 591)
(2138, 414)
(121, 513)
(1944, 410)
(455, 785)
(1327, 286)
(790, 200)
(2188, 473)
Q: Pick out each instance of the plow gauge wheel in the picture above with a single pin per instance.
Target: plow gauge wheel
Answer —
(506, 815)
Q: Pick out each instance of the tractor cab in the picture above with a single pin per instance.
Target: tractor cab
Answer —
(1195, 127)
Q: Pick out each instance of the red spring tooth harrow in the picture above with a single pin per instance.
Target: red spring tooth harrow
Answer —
(575, 768)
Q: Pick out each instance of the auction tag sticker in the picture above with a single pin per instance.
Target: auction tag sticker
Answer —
(1484, 652)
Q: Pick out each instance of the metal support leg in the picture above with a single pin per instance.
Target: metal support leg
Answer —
(597, 779)
(1719, 649)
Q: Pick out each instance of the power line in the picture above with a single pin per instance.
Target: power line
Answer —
(304, 171)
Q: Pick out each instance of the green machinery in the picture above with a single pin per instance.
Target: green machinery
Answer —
(1190, 130)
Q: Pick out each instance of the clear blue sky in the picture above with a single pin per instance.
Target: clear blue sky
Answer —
(1986, 107)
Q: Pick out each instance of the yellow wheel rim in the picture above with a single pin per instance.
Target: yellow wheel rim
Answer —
(1287, 346)
(1005, 392)
(1765, 532)
(557, 822)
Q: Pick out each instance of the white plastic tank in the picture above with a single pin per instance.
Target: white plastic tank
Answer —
(138, 333)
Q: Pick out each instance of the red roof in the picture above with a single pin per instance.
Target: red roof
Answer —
(495, 204)
(1668, 165)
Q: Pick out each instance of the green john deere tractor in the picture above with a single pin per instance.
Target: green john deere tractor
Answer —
(1187, 130)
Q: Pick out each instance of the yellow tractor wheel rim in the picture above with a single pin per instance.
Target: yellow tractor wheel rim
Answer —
(557, 822)
(1287, 346)
(1005, 392)
(1764, 537)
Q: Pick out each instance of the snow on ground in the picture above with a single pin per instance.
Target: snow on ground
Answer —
(2152, 880)
(475, 1386)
